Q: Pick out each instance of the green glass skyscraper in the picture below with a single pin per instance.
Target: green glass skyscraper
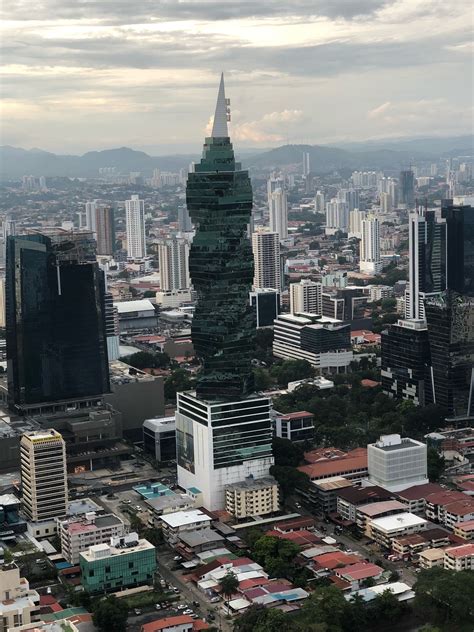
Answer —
(219, 200)
(223, 429)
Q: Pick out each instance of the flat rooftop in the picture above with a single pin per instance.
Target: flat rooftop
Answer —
(102, 551)
(253, 483)
(183, 518)
(374, 509)
(398, 521)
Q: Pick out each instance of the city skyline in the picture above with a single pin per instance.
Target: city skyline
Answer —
(90, 77)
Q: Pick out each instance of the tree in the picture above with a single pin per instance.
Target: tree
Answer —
(386, 607)
(289, 479)
(260, 619)
(262, 379)
(435, 465)
(286, 453)
(326, 605)
(292, 370)
(179, 380)
(146, 360)
(110, 614)
(229, 584)
(445, 597)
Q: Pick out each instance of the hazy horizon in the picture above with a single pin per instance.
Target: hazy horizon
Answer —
(108, 74)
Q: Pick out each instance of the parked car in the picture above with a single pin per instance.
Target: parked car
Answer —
(196, 604)
(157, 606)
(188, 611)
(182, 606)
(177, 558)
(137, 611)
(175, 590)
(215, 599)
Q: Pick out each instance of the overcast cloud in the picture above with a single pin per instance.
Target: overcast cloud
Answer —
(85, 74)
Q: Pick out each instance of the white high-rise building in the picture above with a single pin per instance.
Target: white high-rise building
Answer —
(135, 218)
(266, 254)
(306, 164)
(355, 223)
(91, 215)
(217, 445)
(337, 216)
(43, 475)
(306, 297)
(370, 261)
(278, 209)
(319, 202)
(395, 463)
(173, 258)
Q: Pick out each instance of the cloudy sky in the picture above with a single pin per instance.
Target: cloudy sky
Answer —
(94, 74)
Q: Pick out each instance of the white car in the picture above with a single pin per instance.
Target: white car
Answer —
(215, 599)
(182, 606)
(188, 611)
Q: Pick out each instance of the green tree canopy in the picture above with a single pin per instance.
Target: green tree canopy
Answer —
(110, 614)
(292, 370)
(286, 453)
(444, 597)
(179, 380)
(147, 360)
(229, 584)
(289, 478)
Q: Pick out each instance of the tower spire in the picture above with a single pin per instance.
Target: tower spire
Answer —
(219, 128)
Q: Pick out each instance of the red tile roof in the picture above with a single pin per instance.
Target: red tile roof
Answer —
(334, 559)
(297, 415)
(295, 524)
(460, 551)
(169, 622)
(420, 491)
(334, 467)
(362, 570)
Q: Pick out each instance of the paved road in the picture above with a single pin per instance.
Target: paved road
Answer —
(189, 592)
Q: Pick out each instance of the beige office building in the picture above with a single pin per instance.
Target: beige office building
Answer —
(43, 475)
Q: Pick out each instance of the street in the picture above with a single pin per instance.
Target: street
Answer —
(189, 592)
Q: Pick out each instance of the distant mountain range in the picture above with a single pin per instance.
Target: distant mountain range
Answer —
(387, 154)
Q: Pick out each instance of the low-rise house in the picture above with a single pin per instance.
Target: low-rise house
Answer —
(323, 494)
(415, 497)
(409, 546)
(430, 558)
(192, 542)
(179, 623)
(385, 530)
(174, 524)
(357, 573)
(459, 558)
(350, 498)
(366, 513)
(402, 592)
(464, 530)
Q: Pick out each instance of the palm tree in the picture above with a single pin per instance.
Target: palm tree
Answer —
(229, 584)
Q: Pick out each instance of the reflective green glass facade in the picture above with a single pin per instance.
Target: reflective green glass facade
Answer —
(219, 200)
